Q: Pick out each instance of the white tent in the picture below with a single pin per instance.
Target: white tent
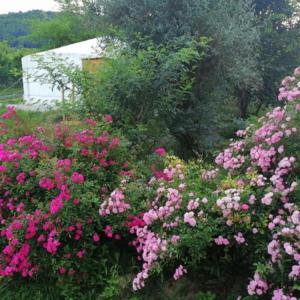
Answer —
(43, 92)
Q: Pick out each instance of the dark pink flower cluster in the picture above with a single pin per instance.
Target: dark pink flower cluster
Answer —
(42, 195)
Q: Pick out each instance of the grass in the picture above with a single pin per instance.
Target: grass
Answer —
(30, 120)
(11, 95)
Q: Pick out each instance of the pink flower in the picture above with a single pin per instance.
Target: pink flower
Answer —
(115, 142)
(9, 113)
(56, 205)
(108, 119)
(288, 248)
(239, 238)
(189, 219)
(220, 240)
(179, 272)
(21, 178)
(160, 151)
(91, 122)
(76, 201)
(3, 169)
(267, 199)
(257, 286)
(80, 254)
(297, 71)
(96, 237)
(175, 239)
(46, 183)
(108, 231)
(115, 204)
(245, 207)
(117, 237)
(77, 178)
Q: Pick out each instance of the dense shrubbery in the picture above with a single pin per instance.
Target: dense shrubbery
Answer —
(50, 190)
(76, 207)
(10, 64)
(244, 58)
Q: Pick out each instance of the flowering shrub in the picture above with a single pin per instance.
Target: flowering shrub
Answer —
(51, 185)
(265, 167)
(252, 206)
(69, 200)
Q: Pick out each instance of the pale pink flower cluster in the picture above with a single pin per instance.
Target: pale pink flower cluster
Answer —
(285, 92)
(262, 157)
(289, 95)
(284, 168)
(179, 272)
(221, 241)
(229, 160)
(241, 133)
(208, 175)
(175, 239)
(257, 286)
(193, 204)
(229, 203)
(294, 274)
(265, 131)
(171, 224)
(267, 199)
(259, 181)
(115, 204)
(239, 238)
(274, 250)
(274, 174)
(189, 218)
(279, 295)
(151, 247)
(172, 204)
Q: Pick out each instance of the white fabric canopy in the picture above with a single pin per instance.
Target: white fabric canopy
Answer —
(36, 91)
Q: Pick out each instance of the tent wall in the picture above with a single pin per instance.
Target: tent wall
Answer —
(36, 91)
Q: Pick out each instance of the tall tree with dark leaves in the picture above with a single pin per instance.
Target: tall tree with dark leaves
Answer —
(230, 64)
(280, 44)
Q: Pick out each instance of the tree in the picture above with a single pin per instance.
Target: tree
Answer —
(230, 64)
(65, 28)
(14, 27)
(280, 44)
(10, 64)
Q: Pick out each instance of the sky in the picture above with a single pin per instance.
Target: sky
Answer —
(25, 5)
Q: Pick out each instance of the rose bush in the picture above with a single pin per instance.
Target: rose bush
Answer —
(51, 185)
(75, 208)
(251, 209)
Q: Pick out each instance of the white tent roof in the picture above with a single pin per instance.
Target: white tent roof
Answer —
(72, 54)
(87, 49)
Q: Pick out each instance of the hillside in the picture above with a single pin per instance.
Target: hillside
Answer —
(15, 26)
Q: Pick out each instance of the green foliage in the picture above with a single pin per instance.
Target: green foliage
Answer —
(63, 29)
(185, 91)
(10, 64)
(144, 89)
(206, 296)
(253, 44)
(14, 27)
(279, 25)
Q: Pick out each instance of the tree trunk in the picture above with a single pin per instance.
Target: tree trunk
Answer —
(243, 104)
(63, 104)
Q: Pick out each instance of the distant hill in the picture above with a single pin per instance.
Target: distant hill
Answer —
(14, 27)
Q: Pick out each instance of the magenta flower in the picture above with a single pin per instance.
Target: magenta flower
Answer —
(77, 178)
(56, 205)
(108, 119)
(96, 237)
(160, 151)
(46, 183)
